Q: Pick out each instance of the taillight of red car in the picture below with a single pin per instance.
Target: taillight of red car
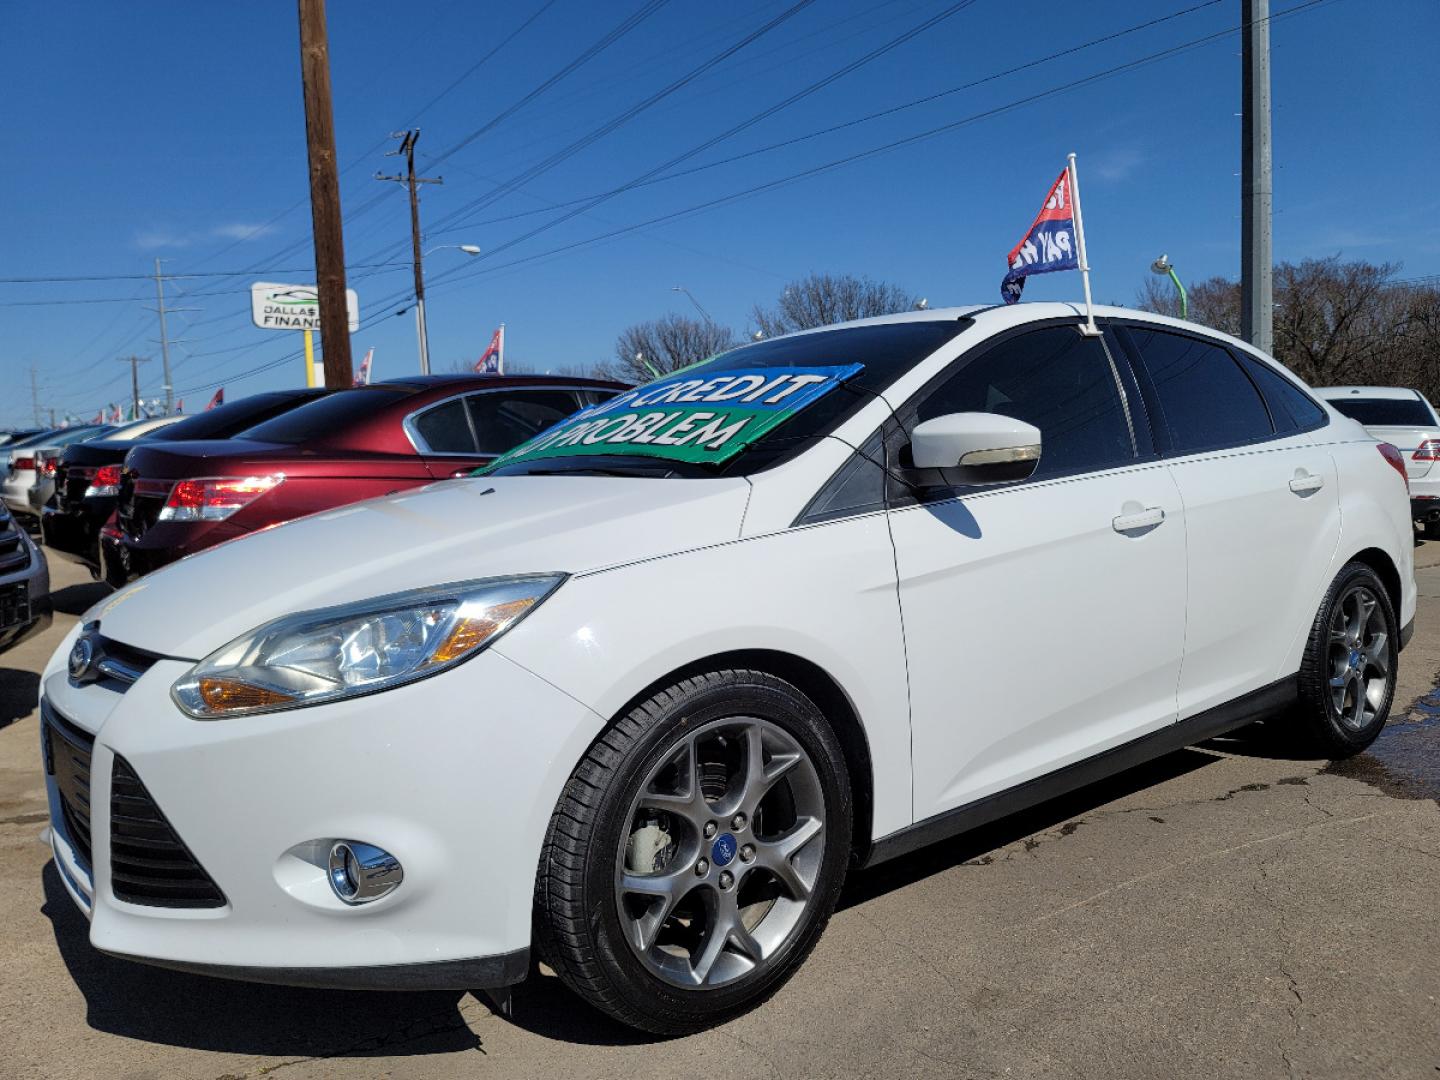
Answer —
(1397, 461)
(215, 498)
(106, 481)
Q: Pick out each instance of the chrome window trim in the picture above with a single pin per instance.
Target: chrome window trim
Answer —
(422, 447)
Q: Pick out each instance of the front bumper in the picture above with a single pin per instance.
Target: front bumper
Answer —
(21, 622)
(456, 775)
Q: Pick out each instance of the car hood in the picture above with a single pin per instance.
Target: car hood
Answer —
(456, 530)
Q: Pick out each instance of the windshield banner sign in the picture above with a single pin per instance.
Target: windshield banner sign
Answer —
(687, 417)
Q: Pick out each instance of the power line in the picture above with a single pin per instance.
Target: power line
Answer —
(465, 272)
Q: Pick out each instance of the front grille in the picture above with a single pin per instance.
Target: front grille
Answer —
(67, 758)
(14, 605)
(14, 553)
(149, 863)
(121, 664)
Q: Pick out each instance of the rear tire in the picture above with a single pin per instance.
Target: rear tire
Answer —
(696, 853)
(1347, 677)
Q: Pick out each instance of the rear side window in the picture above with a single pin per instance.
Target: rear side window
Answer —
(1386, 412)
(1290, 409)
(505, 419)
(1055, 379)
(445, 429)
(1208, 402)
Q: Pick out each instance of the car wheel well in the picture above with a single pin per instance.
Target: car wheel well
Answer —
(820, 687)
(1389, 576)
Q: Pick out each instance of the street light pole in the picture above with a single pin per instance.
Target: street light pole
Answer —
(705, 314)
(1165, 268)
(407, 147)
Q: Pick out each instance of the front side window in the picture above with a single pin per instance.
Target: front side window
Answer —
(1207, 401)
(1056, 379)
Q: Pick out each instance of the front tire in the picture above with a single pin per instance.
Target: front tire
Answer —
(696, 853)
(1347, 678)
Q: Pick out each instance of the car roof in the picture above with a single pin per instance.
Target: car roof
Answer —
(462, 380)
(996, 317)
(1387, 393)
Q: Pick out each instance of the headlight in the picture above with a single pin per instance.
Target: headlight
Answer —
(340, 652)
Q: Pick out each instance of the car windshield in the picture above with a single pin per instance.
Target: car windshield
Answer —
(830, 374)
(1386, 412)
(327, 417)
(225, 420)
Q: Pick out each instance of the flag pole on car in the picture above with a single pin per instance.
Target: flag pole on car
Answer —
(1055, 241)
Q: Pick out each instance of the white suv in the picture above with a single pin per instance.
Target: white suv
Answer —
(644, 692)
(1404, 418)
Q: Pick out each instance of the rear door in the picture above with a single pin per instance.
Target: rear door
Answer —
(1261, 508)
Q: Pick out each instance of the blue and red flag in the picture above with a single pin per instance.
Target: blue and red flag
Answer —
(217, 400)
(492, 360)
(1049, 245)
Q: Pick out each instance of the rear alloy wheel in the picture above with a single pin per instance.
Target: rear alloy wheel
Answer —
(697, 853)
(1347, 679)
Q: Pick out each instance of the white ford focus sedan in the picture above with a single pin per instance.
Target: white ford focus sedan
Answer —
(636, 700)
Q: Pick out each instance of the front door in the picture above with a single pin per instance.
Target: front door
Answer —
(1044, 621)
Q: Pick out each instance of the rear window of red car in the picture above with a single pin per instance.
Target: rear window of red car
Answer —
(328, 417)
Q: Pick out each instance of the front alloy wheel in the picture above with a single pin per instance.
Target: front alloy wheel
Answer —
(722, 853)
(697, 852)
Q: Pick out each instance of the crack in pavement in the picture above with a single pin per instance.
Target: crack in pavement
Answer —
(1205, 856)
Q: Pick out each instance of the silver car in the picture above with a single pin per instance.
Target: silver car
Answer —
(24, 584)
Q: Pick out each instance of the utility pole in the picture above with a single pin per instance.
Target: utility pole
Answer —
(325, 195)
(164, 341)
(135, 362)
(1256, 258)
(408, 139)
(34, 396)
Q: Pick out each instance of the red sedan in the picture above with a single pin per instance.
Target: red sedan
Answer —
(177, 498)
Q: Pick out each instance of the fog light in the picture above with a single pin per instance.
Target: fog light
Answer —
(360, 873)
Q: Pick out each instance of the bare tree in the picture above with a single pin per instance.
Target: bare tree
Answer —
(822, 299)
(660, 346)
(1335, 322)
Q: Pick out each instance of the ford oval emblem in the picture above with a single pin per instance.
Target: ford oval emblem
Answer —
(81, 656)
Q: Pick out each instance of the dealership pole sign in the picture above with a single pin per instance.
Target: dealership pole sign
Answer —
(296, 307)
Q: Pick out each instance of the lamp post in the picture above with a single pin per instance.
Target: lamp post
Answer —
(1165, 268)
(705, 314)
(421, 330)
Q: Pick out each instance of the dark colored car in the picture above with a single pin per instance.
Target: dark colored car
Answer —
(177, 498)
(25, 607)
(87, 478)
(14, 435)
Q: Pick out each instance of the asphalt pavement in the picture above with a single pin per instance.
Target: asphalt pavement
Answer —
(1227, 911)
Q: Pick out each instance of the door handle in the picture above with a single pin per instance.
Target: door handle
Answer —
(1148, 518)
(1304, 483)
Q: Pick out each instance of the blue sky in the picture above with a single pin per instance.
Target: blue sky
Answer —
(176, 131)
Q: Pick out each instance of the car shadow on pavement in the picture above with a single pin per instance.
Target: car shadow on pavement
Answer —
(1274, 739)
(175, 1009)
(18, 693)
(78, 599)
(977, 844)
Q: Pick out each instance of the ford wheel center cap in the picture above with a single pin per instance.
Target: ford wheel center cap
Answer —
(723, 850)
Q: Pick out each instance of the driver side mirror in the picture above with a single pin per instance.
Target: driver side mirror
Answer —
(976, 447)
